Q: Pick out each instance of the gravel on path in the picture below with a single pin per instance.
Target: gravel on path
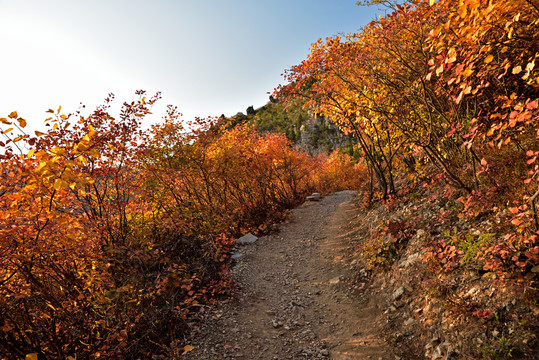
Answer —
(301, 294)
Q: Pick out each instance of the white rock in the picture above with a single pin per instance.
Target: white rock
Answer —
(410, 260)
(410, 321)
(246, 239)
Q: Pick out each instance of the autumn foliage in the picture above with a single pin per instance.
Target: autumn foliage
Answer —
(114, 240)
(443, 99)
(442, 91)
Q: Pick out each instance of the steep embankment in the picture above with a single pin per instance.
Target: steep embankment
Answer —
(302, 295)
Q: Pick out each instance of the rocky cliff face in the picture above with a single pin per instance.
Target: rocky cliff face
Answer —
(308, 131)
(318, 134)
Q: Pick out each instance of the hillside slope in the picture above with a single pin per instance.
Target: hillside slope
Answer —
(308, 131)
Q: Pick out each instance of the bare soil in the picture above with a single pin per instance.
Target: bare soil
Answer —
(301, 294)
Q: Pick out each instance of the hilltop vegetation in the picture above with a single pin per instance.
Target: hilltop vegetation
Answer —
(306, 130)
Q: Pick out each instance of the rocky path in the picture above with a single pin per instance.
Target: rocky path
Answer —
(300, 296)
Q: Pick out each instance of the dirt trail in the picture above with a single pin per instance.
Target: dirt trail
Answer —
(300, 294)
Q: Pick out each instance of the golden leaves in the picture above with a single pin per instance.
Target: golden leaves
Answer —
(41, 166)
(60, 184)
(462, 10)
(529, 68)
(489, 59)
(452, 55)
(58, 151)
(440, 70)
(467, 72)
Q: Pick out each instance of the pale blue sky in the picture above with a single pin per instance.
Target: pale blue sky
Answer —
(207, 57)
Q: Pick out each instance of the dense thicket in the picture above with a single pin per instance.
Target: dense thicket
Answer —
(443, 90)
(443, 99)
(113, 240)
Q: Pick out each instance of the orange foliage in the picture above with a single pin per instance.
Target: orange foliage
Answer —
(338, 171)
(444, 90)
(111, 239)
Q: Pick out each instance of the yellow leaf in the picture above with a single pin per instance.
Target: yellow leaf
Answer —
(40, 154)
(39, 133)
(59, 108)
(517, 69)
(60, 184)
(13, 115)
(31, 152)
(452, 54)
(467, 72)
(462, 11)
(22, 122)
(8, 130)
(55, 126)
(41, 166)
(58, 151)
(32, 356)
(431, 2)
(188, 348)
(489, 59)
(63, 116)
(440, 70)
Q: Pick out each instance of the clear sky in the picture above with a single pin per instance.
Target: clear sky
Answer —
(208, 57)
